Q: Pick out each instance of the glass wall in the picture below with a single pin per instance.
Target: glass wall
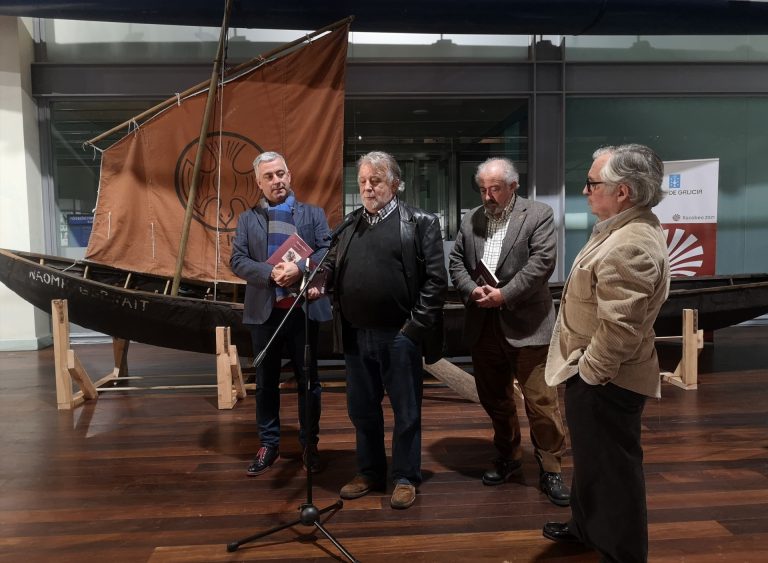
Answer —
(438, 144)
(83, 41)
(666, 48)
(75, 171)
(729, 128)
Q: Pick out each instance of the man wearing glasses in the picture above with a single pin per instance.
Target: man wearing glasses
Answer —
(603, 347)
(509, 321)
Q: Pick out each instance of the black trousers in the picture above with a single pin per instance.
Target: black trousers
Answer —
(291, 338)
(608, 507)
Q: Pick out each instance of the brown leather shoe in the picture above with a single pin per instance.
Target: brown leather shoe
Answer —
(360, 486)
(403, 496)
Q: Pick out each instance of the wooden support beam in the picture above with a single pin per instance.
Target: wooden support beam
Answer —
(459, 380)
(78, 374)
(66, 363)
(229, 377)
(60, 327)
(237, 372)
(686, 373)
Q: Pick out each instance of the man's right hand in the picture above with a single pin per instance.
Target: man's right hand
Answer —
(487, 297)
(479, 292)
(286, 274)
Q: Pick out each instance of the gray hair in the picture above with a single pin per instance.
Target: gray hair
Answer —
(637, 166)
(380, 160)
(509, 171)
(268, 156)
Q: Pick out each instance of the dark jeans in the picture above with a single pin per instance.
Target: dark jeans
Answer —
(291, 337)
(608, 508)
(379, 360)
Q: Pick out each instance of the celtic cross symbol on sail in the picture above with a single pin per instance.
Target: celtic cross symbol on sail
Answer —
(227, 184)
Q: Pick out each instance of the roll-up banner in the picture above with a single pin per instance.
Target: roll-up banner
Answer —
(688, 215)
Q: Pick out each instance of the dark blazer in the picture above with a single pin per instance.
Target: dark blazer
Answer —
(249, 256)
(527, 260)
(424, 267)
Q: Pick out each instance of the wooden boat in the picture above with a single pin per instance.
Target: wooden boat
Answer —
(137, 306)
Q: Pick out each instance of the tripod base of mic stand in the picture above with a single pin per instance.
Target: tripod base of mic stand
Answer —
(309, 515)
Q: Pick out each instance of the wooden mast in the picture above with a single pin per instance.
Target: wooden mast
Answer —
(200, 150)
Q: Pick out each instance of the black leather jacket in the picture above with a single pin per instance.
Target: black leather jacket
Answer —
(426, 278)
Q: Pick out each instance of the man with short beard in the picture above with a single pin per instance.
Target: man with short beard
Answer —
(509, 325)
(389, 282)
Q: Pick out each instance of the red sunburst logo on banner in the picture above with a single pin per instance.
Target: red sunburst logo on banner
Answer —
(691, 249)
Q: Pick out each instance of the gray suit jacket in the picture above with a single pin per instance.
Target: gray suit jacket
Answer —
(249, 259)
(527, 260)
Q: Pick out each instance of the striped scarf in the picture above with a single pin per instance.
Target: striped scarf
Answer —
(281, 226)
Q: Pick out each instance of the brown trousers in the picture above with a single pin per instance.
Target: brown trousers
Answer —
(496, 365)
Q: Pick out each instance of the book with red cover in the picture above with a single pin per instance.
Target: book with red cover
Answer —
(320, 280)
(294, 249)
(484, 276)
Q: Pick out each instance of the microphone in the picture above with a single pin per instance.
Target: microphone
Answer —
(334, 234)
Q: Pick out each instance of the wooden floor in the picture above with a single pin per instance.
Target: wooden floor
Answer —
(160, 476)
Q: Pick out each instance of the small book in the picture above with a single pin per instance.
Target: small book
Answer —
(484, 276)
(320, 280)
(294, 249)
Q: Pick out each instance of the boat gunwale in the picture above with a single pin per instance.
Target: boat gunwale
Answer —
(22, 255)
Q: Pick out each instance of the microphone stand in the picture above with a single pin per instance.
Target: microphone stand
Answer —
(309, 514)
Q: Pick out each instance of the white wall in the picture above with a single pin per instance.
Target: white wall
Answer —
(22, 327)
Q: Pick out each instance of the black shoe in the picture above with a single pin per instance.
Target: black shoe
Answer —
(503, 471)
(311, 460)
(552, 485)
(265, 457)
(559, 531)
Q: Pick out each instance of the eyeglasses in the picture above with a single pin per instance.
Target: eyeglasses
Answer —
(591, 186)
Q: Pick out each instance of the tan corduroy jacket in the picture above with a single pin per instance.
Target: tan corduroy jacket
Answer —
(618, 283)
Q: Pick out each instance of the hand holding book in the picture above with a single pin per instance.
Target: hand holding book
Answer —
(484, 276)
(294, 249)
(286, 274)
(285, 261)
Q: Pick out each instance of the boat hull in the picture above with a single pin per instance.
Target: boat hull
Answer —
(187, 323)
(172, 322)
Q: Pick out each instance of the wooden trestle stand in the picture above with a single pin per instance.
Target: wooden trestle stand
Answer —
(686, 373)
(229, 377)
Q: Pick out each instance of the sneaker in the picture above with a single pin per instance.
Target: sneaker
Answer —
(552, 485)
(311, 460)
(503, 471)
(403, 496)
(265, 457)
(360, 486)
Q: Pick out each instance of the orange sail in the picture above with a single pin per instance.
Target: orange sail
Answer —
(293, 105)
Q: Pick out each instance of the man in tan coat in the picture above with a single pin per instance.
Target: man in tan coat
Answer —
(603, 347)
